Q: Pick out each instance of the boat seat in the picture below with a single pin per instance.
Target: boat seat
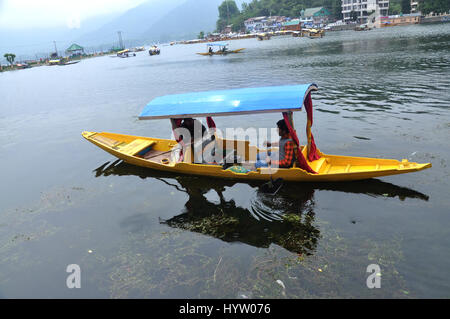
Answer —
(105, 140)
(136, 146)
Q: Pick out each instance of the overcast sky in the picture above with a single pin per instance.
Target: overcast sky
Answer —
(24, 14)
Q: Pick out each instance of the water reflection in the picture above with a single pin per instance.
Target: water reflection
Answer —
(286, 218)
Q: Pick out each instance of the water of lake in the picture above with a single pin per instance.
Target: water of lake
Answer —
(138, 233)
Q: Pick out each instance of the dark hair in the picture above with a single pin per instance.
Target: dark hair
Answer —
(282, 126)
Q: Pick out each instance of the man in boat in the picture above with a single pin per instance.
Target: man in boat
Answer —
(285, 157)
(210, 50)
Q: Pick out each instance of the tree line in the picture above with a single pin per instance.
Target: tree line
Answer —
(436, 6)
(425, 6)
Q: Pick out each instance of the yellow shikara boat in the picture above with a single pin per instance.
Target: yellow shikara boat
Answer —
(168, 155)
(223, 49)
(54, 62)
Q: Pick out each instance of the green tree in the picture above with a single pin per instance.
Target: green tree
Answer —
(406, 6)
(201, 35)
(395, 7)
(10, 57)
(353, 16)
(336, 9)
(238, 23)
(436, 6)
(227, 11)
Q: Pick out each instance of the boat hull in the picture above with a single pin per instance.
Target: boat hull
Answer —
(221, 53)
(329, 168)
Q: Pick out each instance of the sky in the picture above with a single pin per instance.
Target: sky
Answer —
(26, 14)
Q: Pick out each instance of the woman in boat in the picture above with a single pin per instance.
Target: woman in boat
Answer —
(195, 128)
(285, 157)
(197, 138)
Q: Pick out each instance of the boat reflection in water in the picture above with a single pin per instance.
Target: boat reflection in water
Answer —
(276, 215)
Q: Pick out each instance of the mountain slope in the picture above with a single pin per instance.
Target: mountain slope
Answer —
(185, 21)
(131, 23)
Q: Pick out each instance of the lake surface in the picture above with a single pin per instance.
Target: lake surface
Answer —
(138, 233)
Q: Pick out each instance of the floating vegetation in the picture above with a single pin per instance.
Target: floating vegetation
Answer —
(33, 222)
(178, 264)
(215, 225)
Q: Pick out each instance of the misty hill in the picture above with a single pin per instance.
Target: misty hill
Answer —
(185, 21)
(29, 42)
(159, 21)
(131, 23)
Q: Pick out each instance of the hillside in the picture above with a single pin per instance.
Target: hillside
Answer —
(131, 23)
(185, 21)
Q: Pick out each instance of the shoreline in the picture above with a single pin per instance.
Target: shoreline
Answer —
(33, 64)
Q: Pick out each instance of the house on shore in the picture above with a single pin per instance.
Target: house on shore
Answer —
(75, 50)
(255, 24)
(318, 15)
(263, 24)
(292, 25)
(228, 29)
(404, 19)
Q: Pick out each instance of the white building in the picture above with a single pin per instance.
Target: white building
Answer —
(255, 24)
(259, 24)
(363, 9)
(414, 5)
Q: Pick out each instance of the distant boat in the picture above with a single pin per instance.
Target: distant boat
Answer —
(362, 27)
(138, 49)
(125, 54)
(54, 62)
(315, 33)
(154, 50)
(23, 65)
(223, 49)
(70, 62)
(263, 36)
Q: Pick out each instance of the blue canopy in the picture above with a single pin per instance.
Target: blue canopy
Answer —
(219, 44)
(228, 102)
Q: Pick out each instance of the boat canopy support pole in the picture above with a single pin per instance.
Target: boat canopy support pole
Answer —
(291, 118)
(311, 148)
(303, 164)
